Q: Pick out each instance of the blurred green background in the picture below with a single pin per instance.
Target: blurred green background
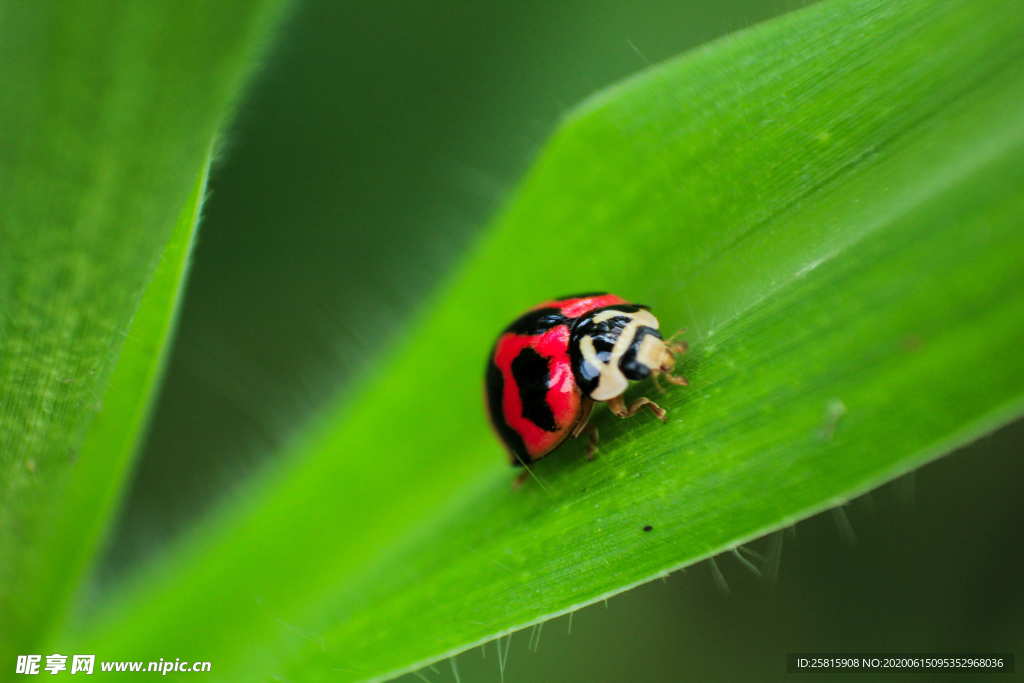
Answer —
(378, 139)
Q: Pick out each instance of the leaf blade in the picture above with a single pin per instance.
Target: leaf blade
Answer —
(108, 113)
(106, 451)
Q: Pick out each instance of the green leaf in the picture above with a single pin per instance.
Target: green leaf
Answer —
(107, 117)
(93, 486)
(828, 202)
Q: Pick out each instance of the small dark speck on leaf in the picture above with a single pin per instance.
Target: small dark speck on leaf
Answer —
(648, 527)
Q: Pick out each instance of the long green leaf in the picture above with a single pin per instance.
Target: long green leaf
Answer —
(93, 486)
(107, 116)
(828, 202)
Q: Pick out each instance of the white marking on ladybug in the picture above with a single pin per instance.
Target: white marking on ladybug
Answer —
(612, 382)
(651, 352)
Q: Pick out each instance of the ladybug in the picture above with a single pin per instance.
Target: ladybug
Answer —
(549, 367)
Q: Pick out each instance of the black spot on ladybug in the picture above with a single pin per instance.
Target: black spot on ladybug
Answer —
(580, 296)
(537, 322)
(603, 346)
(587, 375)
(648, 527)
(603, 335)
(495, 390)
(628, 364)
(530, 370)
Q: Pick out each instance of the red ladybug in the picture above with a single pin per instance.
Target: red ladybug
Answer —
(549, 367)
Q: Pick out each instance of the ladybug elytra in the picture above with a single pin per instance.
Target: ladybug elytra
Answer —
(549, 367)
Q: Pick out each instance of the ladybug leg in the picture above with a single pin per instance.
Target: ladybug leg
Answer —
(520, 479)
(591, 442)
(581, 421)
(583, 425)
(618, 407)
(657, 383)
(676, 348)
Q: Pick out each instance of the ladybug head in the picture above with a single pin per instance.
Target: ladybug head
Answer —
(612, 345)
